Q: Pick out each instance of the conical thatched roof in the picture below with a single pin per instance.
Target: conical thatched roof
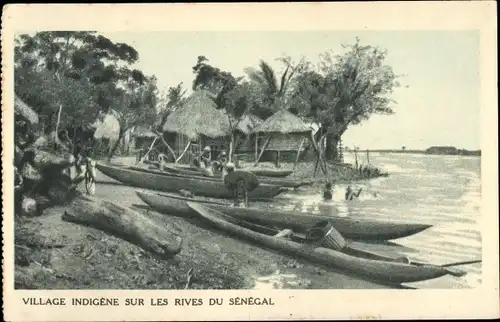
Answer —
(107, 127)
(283, 122)
(143, 132)
(22, 109)
(248, 122)
(198, 116)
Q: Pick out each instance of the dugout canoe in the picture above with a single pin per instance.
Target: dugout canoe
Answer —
(257, 172)
(362, 264)
(356, 229)
(196, 174)
(199, 187)
(270, 173)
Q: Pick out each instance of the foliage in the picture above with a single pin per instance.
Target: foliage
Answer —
(274, 91)
(83, 72)
(169, 102)
(345, 90)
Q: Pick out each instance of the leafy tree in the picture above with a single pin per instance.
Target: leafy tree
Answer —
(81, 73)
(137, 106)
(345, 90)
(174, 98)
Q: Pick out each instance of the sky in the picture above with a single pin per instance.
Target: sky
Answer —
(440, 105)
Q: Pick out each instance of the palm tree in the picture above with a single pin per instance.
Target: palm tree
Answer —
(273, 91)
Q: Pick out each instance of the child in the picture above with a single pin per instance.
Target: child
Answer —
(349, 193)
(328, 192)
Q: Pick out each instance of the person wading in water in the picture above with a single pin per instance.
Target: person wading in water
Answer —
(350, 194)
(328, 192)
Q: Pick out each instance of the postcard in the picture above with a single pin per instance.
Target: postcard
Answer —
(250, 161)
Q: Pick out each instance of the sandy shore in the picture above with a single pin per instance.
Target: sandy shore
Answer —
(63, 255)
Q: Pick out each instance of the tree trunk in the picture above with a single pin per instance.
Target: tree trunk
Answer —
(332, 143)
(319, 154)
(124, 223)
(116, 145)
(56, 133)
(231, 148)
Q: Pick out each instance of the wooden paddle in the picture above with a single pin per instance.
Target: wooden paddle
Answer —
(462, 263)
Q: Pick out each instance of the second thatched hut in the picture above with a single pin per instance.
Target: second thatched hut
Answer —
(283, 131)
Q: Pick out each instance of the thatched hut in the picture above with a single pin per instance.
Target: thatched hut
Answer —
(142, 135)
(245, 136)
(141, 138)
(195, 124)
(283, 131)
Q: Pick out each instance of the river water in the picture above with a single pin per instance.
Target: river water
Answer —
(444, 191)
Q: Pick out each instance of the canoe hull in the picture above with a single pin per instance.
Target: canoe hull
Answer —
(385, 271)
(356, 229)
(169, 170)
(198, 187)
(271, 173)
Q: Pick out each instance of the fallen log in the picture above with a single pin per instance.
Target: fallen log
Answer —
(124, 223)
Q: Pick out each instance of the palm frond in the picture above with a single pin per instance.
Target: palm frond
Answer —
(269, 76)
(283, 80)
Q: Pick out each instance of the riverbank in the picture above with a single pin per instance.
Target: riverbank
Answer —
(54, 254)
(338, 173)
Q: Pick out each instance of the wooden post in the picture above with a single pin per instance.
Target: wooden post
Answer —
(356, 157)
(319, 157)
(278, 159)
(183, 152)
(162, 139)
(298, 153)
(256, 146)
(147, 153)
(266, 143)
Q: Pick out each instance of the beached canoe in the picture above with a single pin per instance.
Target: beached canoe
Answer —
(270, 173)
(359, 229)
(199, 187)
(197, 174)
(186, 169)
(383, 269)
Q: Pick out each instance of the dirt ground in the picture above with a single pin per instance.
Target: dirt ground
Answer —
(54, 254)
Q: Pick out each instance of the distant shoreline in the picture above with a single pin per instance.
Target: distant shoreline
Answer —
(430, 151)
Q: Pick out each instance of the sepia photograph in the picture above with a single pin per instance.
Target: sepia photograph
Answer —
(245, 160)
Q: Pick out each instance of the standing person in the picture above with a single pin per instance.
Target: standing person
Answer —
(238, 187)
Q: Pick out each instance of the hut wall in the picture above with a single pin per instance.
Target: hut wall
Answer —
(285, 142)
(246, 143)
(180, 144)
